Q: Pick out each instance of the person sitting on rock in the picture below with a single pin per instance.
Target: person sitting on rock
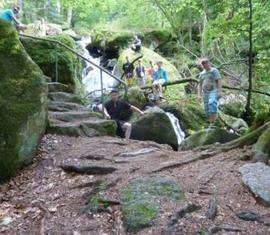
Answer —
(115, 109)
(9, 16)
(137, 44)
(160, 77)
(128, 69)
(140, 72)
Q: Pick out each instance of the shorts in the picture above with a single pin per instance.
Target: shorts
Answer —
(210, 101)
(130, 79)
(159, 81)
(141, 82)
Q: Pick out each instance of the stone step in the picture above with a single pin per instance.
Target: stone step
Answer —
(73, 116)
(61, 106)
(57, 87)
(94, 127)
(64, 96)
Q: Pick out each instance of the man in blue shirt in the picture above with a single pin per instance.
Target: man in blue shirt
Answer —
(9, 16)
(160, 77)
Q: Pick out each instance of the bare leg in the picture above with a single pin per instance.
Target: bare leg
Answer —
(127, 127)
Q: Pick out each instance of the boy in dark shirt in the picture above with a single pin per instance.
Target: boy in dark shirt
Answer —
(115, 109)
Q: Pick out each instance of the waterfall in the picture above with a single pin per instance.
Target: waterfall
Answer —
(91, 74)
(176, 126)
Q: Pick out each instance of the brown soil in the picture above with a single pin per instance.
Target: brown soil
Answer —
(44, 199)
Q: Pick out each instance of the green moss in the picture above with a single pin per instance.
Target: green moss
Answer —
(22, 103)
(111, 38)
(136, 97)
(140, 200)
(207, 137)
(260, 119)
(48, 55)
(160, 36)
(234, 109)
(95, 204)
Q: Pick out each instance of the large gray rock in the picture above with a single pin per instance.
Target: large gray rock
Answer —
(155, 125)
(23, 103)
(256, 176)
(206, 137)
(140, 199)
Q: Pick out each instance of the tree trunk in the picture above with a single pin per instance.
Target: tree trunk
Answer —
(205, 21)
(69, 15)
(248, 112)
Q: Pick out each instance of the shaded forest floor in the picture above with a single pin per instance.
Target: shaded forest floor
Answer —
(44, 199)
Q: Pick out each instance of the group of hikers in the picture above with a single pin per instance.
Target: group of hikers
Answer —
(209, 88)
(138, 75)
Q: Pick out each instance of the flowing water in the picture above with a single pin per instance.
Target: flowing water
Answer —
(91, 74)
(176, 126)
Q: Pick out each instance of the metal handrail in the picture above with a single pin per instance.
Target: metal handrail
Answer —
(79, 55)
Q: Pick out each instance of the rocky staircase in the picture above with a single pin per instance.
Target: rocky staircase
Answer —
(67, 116)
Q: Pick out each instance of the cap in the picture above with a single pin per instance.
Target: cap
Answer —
(114, 90)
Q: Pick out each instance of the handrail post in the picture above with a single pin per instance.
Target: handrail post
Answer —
(56, 64)
(102, 93)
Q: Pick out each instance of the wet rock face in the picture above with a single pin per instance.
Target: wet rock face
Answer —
(155, 126)
(206, 137)
(256, 176)
(140, 200)
(23, 103)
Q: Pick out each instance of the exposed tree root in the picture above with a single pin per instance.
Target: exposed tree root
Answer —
(261, 149)
(259, 137)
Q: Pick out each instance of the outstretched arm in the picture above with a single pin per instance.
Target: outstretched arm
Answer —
(18, 23)
(200, 89)
(107, 115)
(135, 109)
(219, 87)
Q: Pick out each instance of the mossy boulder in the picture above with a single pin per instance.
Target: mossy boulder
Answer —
(23, 103)
(136, 97)
(141, 200)
(148, 55)
(232, 105)
(155, 125)
(55, 61)
(207, 137)
(237, 124)
(261, 118)
(111, 40)
(189, 112)
(155, 38)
